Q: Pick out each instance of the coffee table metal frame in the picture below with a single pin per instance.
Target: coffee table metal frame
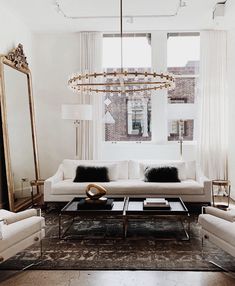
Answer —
(90, 215)
(123, 211)
(177, 212)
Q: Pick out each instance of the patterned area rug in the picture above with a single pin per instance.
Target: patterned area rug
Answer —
(114, 253)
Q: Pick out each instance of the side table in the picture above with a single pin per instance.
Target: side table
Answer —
(37, 184)
(222, 185)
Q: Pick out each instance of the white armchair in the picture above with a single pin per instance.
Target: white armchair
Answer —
(19, 230)
(218, 226)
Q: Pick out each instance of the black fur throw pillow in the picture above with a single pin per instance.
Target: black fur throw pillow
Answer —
(91, 174)
(162, 175)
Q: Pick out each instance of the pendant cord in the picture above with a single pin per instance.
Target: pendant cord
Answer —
(121, 30)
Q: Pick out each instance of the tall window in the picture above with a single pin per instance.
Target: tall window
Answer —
(183, 58)
(127, 116)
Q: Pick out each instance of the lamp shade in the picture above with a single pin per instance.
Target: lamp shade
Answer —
(76, 111)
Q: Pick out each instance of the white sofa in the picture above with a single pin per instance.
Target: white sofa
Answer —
(127, 180)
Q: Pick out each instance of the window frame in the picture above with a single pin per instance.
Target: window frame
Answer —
(162, 35)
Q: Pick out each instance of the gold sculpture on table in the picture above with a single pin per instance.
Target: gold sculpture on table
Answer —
(95, 194)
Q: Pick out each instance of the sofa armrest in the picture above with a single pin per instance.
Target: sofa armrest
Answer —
(203, 181)
(14, 217)
(226, 215)
(59, 175)
(48, 184)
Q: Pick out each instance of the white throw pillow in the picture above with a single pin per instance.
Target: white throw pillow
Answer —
(134, 169)
(112, 171)
(69, 168)
(180, 165)
(191, 170)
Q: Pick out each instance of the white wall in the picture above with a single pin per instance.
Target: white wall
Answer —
(231, 91)
(167, 151)
(55, 57)
(12, 32)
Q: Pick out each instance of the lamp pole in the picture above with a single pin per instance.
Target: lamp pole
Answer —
(181, 138)
(77, 124)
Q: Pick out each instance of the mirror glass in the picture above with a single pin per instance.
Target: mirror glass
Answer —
(20, 141)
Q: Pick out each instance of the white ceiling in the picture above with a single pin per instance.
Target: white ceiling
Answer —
(41, 15)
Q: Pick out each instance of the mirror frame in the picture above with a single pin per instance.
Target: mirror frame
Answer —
(17, 60)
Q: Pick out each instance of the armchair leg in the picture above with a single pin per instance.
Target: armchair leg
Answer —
(227, 272)
(35, 263)
(38, 260)
(202, 248)
(41, 250)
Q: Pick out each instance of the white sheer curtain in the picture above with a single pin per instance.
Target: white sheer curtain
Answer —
(213, 132)
(91, 132)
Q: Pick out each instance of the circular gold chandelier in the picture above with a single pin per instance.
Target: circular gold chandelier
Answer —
(120, 81)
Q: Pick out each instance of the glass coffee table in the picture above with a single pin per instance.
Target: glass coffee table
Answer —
(125, 210)
(75, 214)
(135, 211)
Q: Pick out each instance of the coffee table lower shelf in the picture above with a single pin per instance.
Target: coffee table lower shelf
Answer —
(124, 211)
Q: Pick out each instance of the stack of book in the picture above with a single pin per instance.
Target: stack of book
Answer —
(156, 204)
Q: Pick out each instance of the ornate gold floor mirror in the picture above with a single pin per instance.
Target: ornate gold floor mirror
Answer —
(18, 128)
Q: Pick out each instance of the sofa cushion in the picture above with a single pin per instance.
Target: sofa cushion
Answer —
(91, 174)
(132, 187)
(161, 174)
(219, 227)
(117, 169)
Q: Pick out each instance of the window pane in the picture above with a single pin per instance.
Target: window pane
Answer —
(183, 54)
(186, 128)
(127, 116)
(185, 90)
(133, 47)
(132, 119)
(183, 60)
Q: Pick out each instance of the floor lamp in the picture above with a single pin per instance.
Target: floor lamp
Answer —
(181, 138)
(77, 113)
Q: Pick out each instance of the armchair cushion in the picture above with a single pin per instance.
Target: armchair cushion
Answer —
(10, 217)
(226, 215)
